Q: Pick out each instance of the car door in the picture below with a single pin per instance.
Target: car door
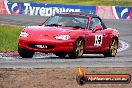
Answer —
(95, 40)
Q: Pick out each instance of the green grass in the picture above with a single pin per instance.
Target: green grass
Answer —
(9, 38)
(86, 2)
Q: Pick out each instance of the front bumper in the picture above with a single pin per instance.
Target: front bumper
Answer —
(57, 45)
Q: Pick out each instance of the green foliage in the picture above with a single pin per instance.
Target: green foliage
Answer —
(9, 37)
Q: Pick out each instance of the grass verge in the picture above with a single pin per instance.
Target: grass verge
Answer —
(86, 2)
(9, 37)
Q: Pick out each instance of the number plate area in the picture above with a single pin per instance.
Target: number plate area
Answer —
(41, 46)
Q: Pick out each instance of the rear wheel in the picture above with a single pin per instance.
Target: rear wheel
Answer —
(25, 53)
(61, 54)
(78, 49)
(112, 49)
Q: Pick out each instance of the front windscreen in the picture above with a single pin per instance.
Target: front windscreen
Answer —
(67, 20)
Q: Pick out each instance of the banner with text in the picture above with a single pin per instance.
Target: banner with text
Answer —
(114, 12)
(43, 9)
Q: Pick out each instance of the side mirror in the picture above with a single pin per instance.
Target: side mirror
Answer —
(97, 28)
(40, 23)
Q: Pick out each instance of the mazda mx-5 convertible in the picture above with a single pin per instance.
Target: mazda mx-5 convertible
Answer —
(72, 34)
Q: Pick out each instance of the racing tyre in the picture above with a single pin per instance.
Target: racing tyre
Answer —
(25, 53)
(78, 49)
(112, 49)
(61, 55)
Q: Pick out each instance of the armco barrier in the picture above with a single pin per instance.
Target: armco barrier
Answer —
(43, 9)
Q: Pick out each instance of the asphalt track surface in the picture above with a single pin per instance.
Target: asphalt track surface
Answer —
(40, 60)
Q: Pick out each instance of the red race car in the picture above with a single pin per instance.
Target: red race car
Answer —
(74, 34)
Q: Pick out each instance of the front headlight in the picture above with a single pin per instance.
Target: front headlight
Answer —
(62, 37)
(24, 34)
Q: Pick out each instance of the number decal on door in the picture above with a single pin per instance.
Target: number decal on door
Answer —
(98, 40)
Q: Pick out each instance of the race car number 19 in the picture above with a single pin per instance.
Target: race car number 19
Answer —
(98, 40)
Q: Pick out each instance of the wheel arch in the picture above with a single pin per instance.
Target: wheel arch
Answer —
(81, 37)
(115, 37)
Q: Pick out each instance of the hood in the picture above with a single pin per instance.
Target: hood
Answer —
(48, 31)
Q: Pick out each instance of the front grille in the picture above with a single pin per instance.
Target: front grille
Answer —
(47, 46)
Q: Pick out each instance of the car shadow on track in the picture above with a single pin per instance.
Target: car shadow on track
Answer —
(56, 57)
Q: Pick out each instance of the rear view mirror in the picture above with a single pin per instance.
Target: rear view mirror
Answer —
(40, 23)
(97, 28)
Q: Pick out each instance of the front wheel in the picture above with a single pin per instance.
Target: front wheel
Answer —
(78, 49)
(25, 53)
(112, 49)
